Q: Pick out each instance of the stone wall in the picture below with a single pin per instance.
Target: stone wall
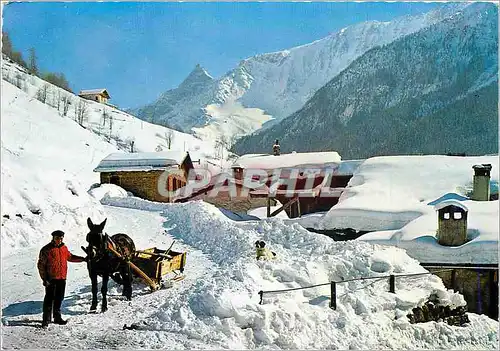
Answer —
(431, 311)
(142, 184)
(479, 288)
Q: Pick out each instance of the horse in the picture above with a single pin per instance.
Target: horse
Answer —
(102, 261)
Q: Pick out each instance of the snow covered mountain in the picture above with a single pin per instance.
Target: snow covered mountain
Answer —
(435, 91)
(274, 85)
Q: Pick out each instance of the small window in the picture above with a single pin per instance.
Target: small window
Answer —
(457, 215)
(446, 215)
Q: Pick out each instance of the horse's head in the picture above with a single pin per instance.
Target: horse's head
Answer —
(96, 239)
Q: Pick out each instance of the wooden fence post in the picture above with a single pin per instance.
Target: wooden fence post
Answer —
(392, 283)
(333, 297)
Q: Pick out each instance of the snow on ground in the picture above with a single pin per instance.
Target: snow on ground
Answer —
(46, 167)
(217, 306)
(22, 294)
(390, 196)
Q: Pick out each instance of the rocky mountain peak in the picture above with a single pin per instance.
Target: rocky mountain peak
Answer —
(198, 75)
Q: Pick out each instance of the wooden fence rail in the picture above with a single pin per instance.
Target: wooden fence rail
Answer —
(333, 285)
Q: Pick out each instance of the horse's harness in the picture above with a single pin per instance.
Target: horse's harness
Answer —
(101, 251)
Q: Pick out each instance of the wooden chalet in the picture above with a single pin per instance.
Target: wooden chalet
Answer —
(332, 176)
(143, 173)
(99, 95)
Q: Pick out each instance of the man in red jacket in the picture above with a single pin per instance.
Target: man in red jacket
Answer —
(53, 268)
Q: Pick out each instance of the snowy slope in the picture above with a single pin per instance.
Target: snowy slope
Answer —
(47, 164)
(56, 155)
(123, 129)
(277, 84)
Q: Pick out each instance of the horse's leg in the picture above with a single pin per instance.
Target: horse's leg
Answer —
(93, 279)
(104, 292)
(127, 281)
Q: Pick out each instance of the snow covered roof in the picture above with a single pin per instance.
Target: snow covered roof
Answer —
(140, 161)
(302, 159)
(93, 92)
(448, 196)
(450, 202)
(348, 167)
(396, 198)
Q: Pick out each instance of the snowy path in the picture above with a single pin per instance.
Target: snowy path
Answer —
(216, 306)
(22, 307)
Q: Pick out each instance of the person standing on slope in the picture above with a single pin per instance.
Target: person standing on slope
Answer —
(53, 268)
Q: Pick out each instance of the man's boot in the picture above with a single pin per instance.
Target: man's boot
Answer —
(47, 317)
(58, 319)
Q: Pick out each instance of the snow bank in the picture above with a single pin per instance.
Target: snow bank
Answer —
(102, 192)
(224, 311)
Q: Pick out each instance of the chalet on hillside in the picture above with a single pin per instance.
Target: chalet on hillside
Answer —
(99, 95)
(143, 172)
(333, 175)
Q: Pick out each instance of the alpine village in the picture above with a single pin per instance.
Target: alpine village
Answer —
(325, 177)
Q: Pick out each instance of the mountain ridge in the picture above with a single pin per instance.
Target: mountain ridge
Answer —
(399, 86)
(279, 83)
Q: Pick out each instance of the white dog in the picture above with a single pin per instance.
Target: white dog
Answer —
(263, 252)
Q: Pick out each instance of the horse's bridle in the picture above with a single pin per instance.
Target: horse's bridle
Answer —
(97, 252)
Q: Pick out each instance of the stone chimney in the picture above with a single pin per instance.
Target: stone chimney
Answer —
(452, 223)
(481, 190)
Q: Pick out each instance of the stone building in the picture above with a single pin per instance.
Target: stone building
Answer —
(149, 175)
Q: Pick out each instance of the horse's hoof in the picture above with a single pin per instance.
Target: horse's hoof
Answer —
(104, 309)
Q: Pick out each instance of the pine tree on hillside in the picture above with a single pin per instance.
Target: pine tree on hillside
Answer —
(58, 79)
(8, 50)
(6, 44)
(33, 64)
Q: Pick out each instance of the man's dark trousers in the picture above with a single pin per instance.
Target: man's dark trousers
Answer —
(54, 296)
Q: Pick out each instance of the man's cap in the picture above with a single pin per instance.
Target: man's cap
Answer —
(58, 233)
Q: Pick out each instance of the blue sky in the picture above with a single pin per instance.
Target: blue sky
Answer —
(139, 50)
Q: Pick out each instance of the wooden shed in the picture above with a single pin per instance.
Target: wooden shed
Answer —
(149, 175)
(99, 95)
